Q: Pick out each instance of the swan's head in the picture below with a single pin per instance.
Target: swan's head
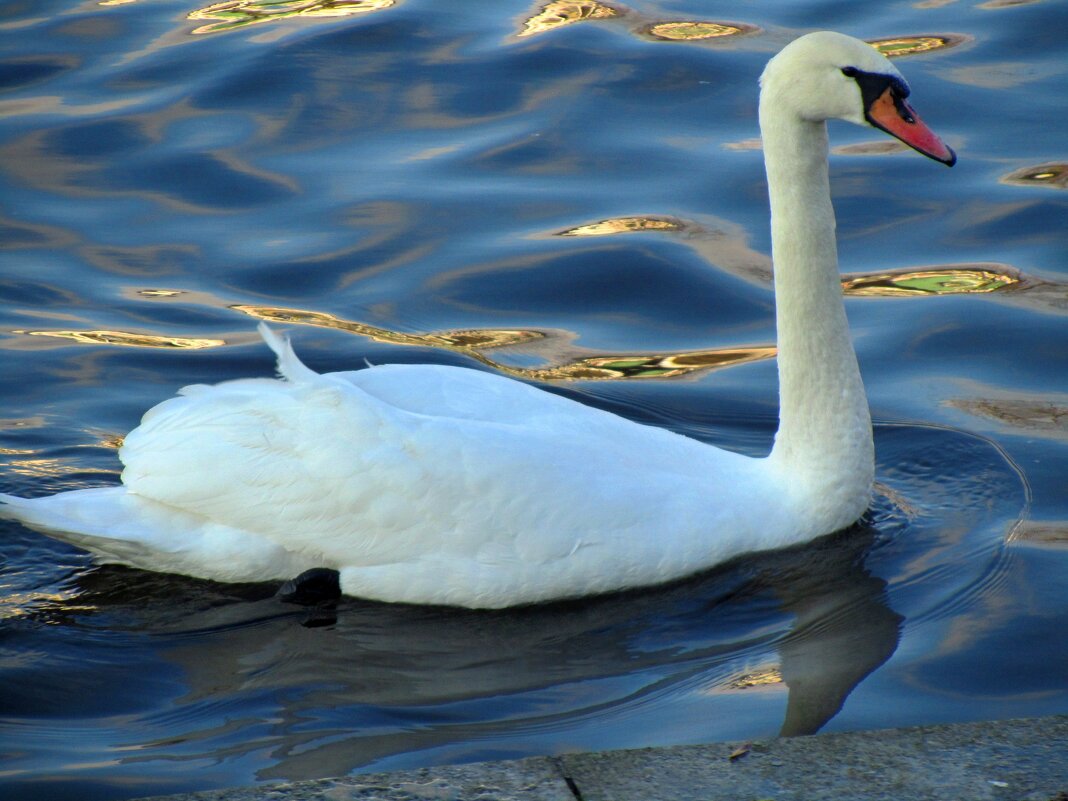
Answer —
(827, 75)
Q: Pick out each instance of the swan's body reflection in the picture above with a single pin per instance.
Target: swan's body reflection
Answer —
(387, 679)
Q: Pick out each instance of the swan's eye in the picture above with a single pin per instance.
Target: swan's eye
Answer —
(850, 72)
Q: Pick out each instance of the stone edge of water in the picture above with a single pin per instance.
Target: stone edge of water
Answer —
(1008, 760)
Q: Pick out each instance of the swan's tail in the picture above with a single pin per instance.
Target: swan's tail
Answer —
(289, 366)
(80, 517)
(118, 526)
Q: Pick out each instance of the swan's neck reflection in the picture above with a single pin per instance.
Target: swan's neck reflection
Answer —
(839, 636)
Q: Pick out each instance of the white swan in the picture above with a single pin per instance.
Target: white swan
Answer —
(443, 485)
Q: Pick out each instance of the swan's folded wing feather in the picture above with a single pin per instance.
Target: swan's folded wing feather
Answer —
(282, 460)
(345, 477)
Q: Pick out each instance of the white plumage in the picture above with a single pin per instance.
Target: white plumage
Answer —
(433, 484)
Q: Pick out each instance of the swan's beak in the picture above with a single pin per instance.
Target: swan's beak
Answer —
(892, 114)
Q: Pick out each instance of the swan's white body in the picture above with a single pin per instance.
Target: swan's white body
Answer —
(432, 484)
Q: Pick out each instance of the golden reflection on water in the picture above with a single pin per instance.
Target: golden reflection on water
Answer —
(623, 225)
(909, 45)
(948, 280)
(614, 367)
(763, 677)
(472, 342)
(17, 603)
(686, 31)
(460, 340)
(233, 14)
(38, 468)
(127, 339)
(564, 12)
(1052, 174)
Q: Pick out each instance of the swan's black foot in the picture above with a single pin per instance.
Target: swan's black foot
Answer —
(320, 585)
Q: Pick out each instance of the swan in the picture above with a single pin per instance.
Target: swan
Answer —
(433, 484)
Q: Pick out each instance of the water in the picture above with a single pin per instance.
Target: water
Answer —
(393, 184)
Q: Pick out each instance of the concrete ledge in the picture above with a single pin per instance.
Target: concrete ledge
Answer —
(1016, 759)
(534, 779)
(1012, 760)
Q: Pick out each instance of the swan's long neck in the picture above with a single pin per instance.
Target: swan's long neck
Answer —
(824, 445)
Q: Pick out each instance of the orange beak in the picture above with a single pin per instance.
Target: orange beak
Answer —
(892, 114)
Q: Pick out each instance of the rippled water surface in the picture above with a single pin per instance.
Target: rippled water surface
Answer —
(574, 195)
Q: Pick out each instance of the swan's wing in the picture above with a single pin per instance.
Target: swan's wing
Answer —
(337, 474)
(289, 461)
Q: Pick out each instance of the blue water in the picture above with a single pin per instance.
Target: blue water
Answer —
(380, 181)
